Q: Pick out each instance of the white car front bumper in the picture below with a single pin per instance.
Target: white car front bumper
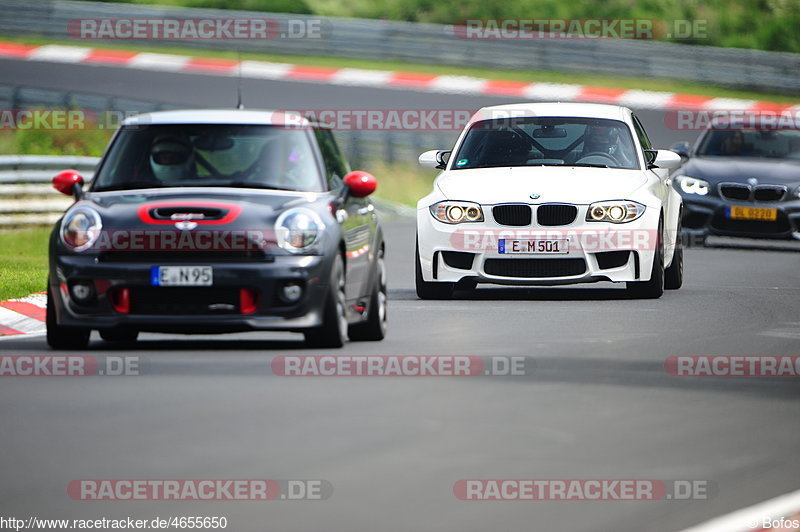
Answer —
(597, 251)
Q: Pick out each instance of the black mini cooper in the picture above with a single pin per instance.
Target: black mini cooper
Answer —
(214, 221)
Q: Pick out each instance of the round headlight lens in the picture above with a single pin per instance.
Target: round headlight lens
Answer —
(597, 212)
(455, 213)
(298, 229)
(80, 228)
(616, 213)
(473, 213)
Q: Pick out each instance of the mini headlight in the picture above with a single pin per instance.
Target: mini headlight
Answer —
(297, 230)
(617, 212)
(692, 185)
(80, 228)
(456, 212)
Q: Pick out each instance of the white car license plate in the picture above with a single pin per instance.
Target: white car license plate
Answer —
(545, 246)
(181, 276)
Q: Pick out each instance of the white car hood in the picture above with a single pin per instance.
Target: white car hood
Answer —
(552, 184)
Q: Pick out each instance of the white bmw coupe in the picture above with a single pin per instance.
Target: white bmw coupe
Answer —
(547, 194)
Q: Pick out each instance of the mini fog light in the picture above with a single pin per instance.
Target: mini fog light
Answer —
(291, 292)
(82, 292)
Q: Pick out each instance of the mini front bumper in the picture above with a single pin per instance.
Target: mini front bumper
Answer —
(597, 251)
(709, 215)
(190, 309)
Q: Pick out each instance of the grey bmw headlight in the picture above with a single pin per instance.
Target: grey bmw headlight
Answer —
(297, 230)
(692, 185)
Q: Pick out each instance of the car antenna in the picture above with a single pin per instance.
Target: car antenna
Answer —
(239, 104)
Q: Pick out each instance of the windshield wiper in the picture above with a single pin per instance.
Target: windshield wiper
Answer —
(588, 165)
(130, 186)
(247, 184)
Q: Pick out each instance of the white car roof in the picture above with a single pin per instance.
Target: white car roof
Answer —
(583, 110)
(217, 116)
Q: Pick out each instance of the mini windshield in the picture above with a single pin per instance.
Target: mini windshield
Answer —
(777, 143)
(547, 141)
(211, 155)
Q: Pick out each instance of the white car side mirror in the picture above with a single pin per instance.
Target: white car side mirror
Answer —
(667, 159)
(434, 159)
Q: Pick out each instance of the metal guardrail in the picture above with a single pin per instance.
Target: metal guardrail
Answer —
(439, 44)
(361, 147)
(26, 195)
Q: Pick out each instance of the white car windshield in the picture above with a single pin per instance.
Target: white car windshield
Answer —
(211, 155)
(547, 141)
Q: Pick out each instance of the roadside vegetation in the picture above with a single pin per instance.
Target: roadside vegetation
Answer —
(23, 262)
(758, 24)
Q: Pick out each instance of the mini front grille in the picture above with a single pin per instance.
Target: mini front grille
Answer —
(734, 191)
(769, 193)
(514, 214)
(184, 300)
(534, 268)
(556, 214)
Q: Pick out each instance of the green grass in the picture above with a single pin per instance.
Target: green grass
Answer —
(401, 183)
(23, 262)
(529, 76)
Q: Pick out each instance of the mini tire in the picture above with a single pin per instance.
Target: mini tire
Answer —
(60, 337)
(374, 328)
(333, 331)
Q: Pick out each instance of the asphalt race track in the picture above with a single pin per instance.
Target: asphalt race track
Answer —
(594, 403)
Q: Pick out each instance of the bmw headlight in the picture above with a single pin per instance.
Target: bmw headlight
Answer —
(80, 228)
(297, 230)
(692, 185)
(618, 212)
(456, 212)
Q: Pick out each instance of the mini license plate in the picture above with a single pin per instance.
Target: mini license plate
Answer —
(533, 246)
(742, 212)
(181, 275)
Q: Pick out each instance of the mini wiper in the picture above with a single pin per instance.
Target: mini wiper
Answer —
(588, 165)
(248, 184)
(130, 186)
